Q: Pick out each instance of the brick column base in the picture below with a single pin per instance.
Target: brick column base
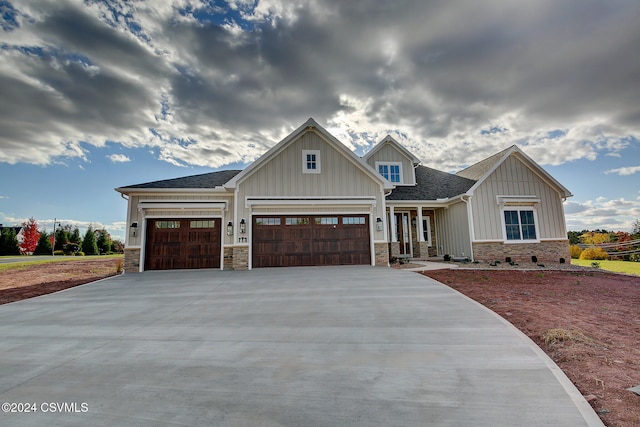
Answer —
(132, 260)
(240, 257)
(381, 254)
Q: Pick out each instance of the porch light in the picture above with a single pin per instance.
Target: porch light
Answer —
(229, 228)
(243, 226)
(133, 230)
(379, 224)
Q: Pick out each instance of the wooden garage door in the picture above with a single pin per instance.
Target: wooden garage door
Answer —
(182, 243)
(286, 241)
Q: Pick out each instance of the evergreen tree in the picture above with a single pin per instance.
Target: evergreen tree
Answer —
(44, 245)
(89, 245)
(62, 238)
(9, 242)
(74, 236)
(103, 241)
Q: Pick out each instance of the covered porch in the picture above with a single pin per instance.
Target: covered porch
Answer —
(412, 232)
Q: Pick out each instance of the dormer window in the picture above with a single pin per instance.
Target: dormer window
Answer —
(310, 161)
(391, 171)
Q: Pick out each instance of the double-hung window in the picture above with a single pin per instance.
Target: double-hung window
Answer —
(520, 224)
(391, 171)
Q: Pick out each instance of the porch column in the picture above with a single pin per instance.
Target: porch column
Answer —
(392, 223)
(419, 228)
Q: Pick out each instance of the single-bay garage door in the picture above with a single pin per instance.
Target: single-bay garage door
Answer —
(286, 241)
(182, 243)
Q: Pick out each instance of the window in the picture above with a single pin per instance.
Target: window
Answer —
(391, 171)
(310, 161)
(202, 224)
(167, 224)
(326, 220)
(520, 224)
(267, 221)
(353, 220)
(296, 221)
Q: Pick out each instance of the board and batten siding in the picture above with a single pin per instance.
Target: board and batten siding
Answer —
(282, 177)
(388, 153)
(514, 178)
(452, 230)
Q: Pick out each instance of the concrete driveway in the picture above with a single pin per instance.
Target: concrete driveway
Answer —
(325, 346)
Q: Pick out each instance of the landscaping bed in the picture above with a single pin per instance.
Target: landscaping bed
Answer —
(588, 322)
(32, 280)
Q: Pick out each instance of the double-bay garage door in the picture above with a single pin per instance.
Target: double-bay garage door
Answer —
(182, 243)
(285, 241)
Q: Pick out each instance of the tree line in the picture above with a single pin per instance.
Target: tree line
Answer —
(67, 241)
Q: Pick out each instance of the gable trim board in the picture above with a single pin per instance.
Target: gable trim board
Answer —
(464, 210)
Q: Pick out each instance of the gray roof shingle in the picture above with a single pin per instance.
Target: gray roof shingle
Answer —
(432, 184)
(205, 180)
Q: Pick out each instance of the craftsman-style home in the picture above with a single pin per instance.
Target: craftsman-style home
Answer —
(310, 200)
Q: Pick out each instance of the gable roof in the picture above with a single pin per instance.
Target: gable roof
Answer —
(478, 170)
(309, 126)
(205, 180)
(486, 167)
(389, 140)
(432, 184)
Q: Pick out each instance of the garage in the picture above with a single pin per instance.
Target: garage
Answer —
(306, 240)
(175, 243)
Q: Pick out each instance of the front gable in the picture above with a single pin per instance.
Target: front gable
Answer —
(393, 161)
(515, 183)
(307, 158)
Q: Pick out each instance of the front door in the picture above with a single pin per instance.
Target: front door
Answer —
(403, 231)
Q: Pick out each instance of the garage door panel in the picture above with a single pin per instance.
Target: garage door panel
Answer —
(182, 243)
(310, 240)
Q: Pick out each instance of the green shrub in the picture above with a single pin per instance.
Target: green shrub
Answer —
(575, 251)
(79, 253)
(594, 253)
(634, 257)
(59, 252)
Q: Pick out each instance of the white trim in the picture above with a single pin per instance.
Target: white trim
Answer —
(318, 162)
(182, 204)
(517, 200)
(389, 140)
(428, 230)
(251, 201)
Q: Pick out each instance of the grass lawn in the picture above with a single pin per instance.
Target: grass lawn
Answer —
(33, 260)
(627, 267)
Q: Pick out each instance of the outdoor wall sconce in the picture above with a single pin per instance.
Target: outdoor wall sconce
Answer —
(133, 230)
(414, 222)
(379, 224)
(243, 226)
(229, 228)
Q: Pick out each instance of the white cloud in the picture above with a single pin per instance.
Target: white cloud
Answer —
(118, 158)
(456, 90)
(629, 170)
(613, 215)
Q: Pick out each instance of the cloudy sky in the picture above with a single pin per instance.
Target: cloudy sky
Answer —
(101, 94)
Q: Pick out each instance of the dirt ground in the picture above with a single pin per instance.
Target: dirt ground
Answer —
(40, 279)
(587, 322)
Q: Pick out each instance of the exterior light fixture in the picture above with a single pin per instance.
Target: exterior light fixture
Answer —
(379, 224)
(229, 228)
(243, 226)
(133, 229)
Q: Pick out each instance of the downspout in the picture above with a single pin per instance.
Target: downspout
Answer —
(470, 221)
